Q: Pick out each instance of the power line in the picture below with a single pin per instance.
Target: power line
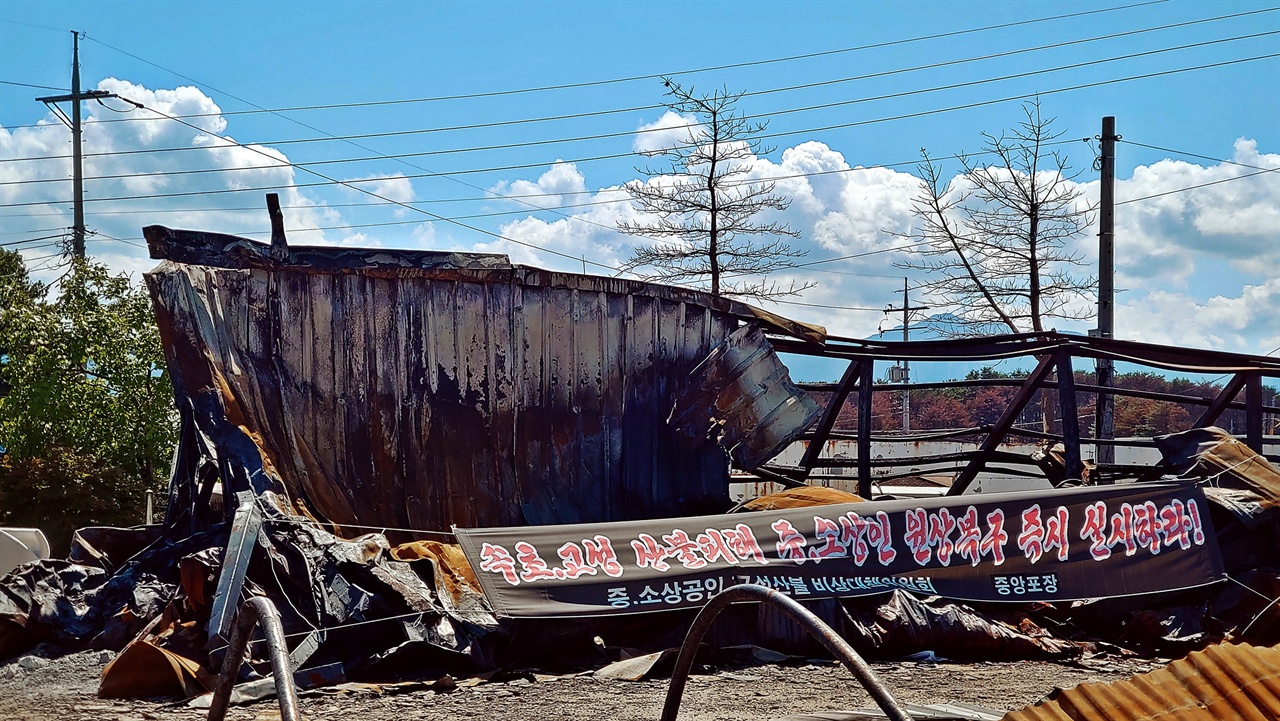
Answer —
(347, 184)
(402, 222)
(12, 243)
(103, 236)
(768, 135)
(1192, 155)
(830, 307)
(1201, 185)
(34, 230)
(792, 266)
(629, 133)
(634, 78)
(569, 193)
(38, 87)
(33, 25)
(802, 86)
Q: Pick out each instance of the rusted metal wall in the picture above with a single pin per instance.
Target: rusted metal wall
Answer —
(426, 397)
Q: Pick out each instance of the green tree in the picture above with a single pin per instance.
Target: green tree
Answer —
(86, 420)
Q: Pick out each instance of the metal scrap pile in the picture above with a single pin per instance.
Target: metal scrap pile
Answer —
(159, 605)
(407, 392)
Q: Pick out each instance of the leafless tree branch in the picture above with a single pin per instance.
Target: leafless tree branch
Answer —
(995, 241)
(703, 207)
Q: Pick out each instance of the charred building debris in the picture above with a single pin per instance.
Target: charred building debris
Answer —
(343, 411)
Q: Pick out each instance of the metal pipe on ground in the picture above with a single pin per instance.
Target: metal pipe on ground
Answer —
(257, 610)
(801, 615)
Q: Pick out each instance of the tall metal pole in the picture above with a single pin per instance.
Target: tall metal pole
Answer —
(906, 365)
(77, 162)
(1104, 416)
(77, 141)
(906, 368)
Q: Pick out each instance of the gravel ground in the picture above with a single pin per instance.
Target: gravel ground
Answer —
(64, 687)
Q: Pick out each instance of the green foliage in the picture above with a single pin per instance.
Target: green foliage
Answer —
(87, 420)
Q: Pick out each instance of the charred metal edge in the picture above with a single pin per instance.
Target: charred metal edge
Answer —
(218, 250)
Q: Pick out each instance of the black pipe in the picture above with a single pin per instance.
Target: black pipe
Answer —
(801, 615)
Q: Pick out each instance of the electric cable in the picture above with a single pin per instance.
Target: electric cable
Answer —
(14, 243)
(770, 135)
(348, 184)
(1191, 155)
(38, 87)
(1194, 187)
(627, 133)
(638, 108)
(651, 76)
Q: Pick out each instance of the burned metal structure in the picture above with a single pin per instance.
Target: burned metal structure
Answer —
(399, 389)
(344, 410)
(1057, 358)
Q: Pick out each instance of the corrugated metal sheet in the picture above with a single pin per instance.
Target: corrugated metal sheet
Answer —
(742, 397)
(1223, 682)
(416, 391)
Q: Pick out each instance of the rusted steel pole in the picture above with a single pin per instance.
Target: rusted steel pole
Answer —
(252, 612)
(801, 615)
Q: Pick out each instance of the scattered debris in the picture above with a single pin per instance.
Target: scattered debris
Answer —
(1221, 682)
(342, 410)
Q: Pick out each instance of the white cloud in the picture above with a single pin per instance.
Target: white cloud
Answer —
(185, 200)
(563, 184)
(392, 186)
(1247, 323)
(1161, 241)
(668, 131)
(1197, 266)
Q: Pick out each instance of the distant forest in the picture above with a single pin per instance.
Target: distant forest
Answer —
(956, 408)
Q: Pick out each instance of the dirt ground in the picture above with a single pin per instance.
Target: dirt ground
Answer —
(64, 687)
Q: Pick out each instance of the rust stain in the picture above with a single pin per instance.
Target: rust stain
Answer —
(799, 498)
(422, 390)
(1224, 682)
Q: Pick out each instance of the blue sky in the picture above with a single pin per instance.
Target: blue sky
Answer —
(1196, 267)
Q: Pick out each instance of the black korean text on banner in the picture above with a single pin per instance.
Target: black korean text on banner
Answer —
(1053, 545)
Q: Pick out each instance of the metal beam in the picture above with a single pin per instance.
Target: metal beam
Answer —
(864, 428)
(829, 416)
(245, 526)
(1068, 415)
(1221, 402)
(1002, 426)
(1253, 412)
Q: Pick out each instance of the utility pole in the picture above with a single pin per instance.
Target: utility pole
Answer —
(1104, 413)
(77, 162)
(906, 366)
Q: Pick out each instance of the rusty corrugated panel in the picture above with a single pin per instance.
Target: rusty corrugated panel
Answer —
(742, 397)
(423, 390)
(802, 497)
(1223, 682)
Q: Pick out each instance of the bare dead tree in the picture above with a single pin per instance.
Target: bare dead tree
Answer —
(703, 206)
(996, 241)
